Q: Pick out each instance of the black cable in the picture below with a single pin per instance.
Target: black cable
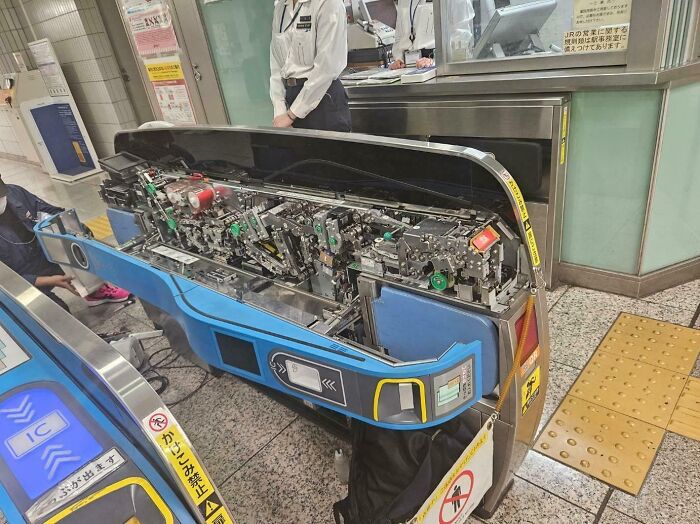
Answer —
(193, 393)
(166, 362)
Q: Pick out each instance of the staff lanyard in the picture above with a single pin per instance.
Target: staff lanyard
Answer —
(412, 19)
(284, 11)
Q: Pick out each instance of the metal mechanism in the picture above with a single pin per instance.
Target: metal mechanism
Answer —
(84, 436)
(310, 263)
(528, 135)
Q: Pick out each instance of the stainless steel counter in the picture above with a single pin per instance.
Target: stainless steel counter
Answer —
(554, 81)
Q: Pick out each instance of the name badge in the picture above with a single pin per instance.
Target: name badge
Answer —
(411, 57)
(304, 25)
(306, 18)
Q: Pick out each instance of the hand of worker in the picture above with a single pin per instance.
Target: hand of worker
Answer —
(397, 64)
(424, 62)
(63, 281)
(283, 120)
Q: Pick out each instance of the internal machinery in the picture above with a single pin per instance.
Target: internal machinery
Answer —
(312, 257)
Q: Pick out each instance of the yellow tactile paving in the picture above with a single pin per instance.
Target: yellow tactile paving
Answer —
(685, 419)
(661, 344)
(629, 387)
(602, 443)
(100, 227)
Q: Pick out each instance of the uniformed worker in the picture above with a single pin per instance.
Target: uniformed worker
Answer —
(308, 52)
(413, 45)
(414, 41)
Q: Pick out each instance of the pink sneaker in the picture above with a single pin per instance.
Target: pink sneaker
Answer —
(107, 293)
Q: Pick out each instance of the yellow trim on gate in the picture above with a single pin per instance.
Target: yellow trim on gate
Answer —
(155, 497)
(421, 387)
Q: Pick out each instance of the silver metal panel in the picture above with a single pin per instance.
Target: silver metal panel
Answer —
(453, 118)
(107, 366)
(198, 64)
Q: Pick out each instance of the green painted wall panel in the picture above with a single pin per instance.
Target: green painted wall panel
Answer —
(673, 231)
(239, 39)
(611, 148)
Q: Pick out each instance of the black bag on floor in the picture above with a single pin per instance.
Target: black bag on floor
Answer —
(393, 472)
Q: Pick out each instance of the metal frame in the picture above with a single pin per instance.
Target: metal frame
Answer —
(646, 19)
(485, 117)
(213, 112)
(109, 369)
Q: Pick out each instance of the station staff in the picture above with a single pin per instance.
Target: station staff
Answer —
(20, 249)
(309, 50)
(413, 46)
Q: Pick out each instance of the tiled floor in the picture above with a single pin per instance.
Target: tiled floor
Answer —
(274, 466)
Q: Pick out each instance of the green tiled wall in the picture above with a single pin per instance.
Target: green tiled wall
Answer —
(611, 148)
(673, 231)
(239, 39)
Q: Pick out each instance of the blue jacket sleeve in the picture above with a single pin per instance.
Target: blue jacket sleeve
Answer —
(37, 205)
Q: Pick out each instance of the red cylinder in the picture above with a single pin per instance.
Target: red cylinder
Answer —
(201, 199)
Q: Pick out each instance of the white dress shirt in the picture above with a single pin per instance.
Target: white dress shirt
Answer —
(413, 14)
(312, 44)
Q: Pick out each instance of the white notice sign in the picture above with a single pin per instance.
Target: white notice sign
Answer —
(597, 13)
(463, 487)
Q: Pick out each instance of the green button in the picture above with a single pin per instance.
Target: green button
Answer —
(318, 228)
(388, 235)
(151, 188)
(439, 281)
(235, 230)
(332, 241)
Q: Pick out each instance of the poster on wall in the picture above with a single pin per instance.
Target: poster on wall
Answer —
(168, 81)
(599, 26)
(151, 26)
(47, 63)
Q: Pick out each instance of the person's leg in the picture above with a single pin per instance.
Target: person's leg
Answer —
(331, 114)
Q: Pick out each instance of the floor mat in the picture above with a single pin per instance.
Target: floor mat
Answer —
(661, 344)
(634, 388)
(631, 388)
(602, 443)
(686, 417)
(100, 227)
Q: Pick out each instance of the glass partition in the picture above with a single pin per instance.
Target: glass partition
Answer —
(476, 36)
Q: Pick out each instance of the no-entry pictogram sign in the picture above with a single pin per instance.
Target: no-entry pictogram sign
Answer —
(158, 422)
(457, 497)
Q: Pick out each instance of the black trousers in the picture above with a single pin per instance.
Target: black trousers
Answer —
(52, 269)
(331, 114)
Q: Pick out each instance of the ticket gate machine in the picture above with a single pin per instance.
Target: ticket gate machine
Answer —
(83, 436)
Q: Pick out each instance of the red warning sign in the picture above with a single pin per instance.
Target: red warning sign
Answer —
(456, 498)
(158, 422)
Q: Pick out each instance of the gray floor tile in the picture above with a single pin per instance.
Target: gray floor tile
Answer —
(529, 504)
(291, 480)
(563, 481)
(582, 317)
(612, 516)
(554, 295)
(671, 492)
(686, 296)
(561, 378)
(229, 421)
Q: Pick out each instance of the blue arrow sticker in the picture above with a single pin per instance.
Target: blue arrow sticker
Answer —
(41, 440)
